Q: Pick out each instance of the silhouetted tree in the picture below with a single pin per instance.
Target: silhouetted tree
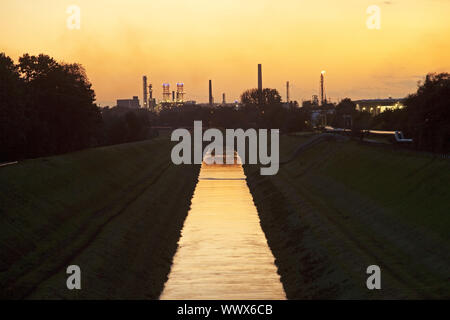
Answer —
(346, 106)
(429, 113)
(345, 113)
(298, 119)
(360, 124)
(391, 120)
(46, 108)
(121, 125)
(13, 120)
(269, 97)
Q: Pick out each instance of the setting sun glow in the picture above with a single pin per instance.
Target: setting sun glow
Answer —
(197, 40)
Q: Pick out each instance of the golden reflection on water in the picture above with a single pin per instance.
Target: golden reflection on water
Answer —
(223, 252)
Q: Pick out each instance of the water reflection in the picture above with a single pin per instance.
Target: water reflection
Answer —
(223, 253)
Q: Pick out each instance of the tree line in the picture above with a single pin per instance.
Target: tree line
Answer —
(48, 108)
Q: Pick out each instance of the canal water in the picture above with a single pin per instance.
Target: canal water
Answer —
(223, 252)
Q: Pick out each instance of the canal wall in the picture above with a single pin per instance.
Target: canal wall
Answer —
(341, 206)
(115, 211)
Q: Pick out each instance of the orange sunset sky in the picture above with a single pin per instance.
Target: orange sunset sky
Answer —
(192, 41)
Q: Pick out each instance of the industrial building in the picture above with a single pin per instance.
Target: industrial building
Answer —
(377, 106)
(180, 93)
(173, 97)
(129, 103)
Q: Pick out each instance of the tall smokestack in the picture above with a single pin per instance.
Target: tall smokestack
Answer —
(260, 86)
(145, 91)
(210, 93)
(322, 91)
(223, 99)
(287, 92)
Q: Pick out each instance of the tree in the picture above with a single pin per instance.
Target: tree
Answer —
(269, 113)
(63, 102)
(345, 112)
(391, 120)
(269, 97)
(121, 125)
(360, 123)
(346, 106)
(12, 112)
(46, 107)
(429, 113)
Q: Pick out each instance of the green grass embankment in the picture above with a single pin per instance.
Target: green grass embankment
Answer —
(115, 211)
(342, 206)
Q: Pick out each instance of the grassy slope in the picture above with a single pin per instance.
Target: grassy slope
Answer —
(342, 206)
(105, 209)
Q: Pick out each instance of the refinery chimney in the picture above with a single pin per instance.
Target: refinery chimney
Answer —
(260, 86)
(211, 101)
(287, 92)
(322, 90)
(145, 92)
